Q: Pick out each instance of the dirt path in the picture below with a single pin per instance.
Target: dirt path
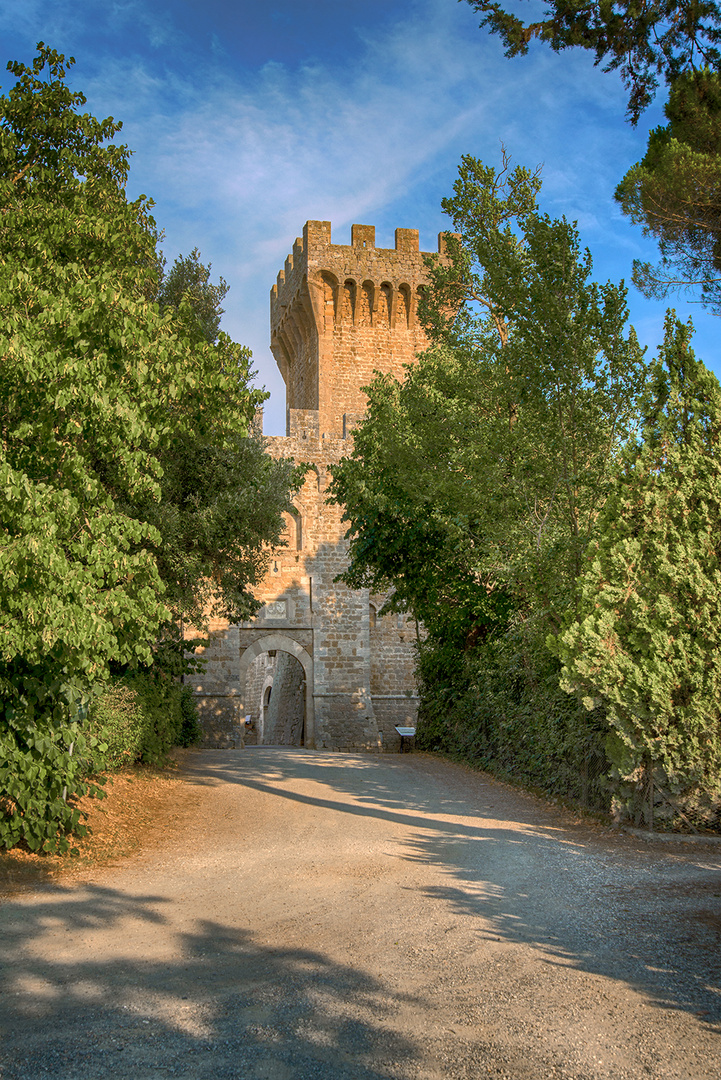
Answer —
(359, 918)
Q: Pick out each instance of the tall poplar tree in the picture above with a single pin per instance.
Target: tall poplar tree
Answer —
(505, 432)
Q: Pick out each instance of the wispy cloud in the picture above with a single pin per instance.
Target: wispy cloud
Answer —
(313, 140)
(278, 145)
(238, 157)
(238, 160)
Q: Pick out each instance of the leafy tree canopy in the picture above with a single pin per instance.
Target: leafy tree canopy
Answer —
(481, 475)
(89, 375)
(189, 281)
(220, 511)
(558, 371)
(104, 393)
(641, 40)
(409, 497)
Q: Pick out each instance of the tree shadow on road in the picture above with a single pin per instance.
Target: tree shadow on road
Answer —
(524, 872)
(657, 929)
(222, 1005)
(378, 793)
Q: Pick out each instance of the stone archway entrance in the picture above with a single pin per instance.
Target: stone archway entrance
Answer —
(287, 716)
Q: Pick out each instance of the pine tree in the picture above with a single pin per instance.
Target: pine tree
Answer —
(674, 193)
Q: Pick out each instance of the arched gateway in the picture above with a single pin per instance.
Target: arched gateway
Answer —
(272, 643)
(338, 314)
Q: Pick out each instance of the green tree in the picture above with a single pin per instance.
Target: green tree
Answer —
(218, 519)
(646, 640)
(96, 385)
(221, 502)
(674, 193)
(641, 41)
(557, 375)
(84, 391)
(414, 528)
(188, 281)
(475, 483)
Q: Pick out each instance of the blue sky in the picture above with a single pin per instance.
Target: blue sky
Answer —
(246, 119)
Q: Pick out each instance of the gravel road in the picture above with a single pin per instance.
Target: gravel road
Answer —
(342, 917)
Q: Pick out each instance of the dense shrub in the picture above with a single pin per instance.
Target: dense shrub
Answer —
(47, 753)
(118, 718)
(501, 708)
(49, 758)
(190, 729)
(141, 717)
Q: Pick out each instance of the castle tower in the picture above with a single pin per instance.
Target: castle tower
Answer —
(339, 313)
(319, 666)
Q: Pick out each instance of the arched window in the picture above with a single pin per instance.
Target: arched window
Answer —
(403, 312)
(384, 305)
(297, 525)
(293, 532)
(330, 299)
(420, 293)
(365, 314)
(349, 298)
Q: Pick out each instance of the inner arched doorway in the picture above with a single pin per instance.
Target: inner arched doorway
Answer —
(264, 707)
(276, 681)
(276, 691)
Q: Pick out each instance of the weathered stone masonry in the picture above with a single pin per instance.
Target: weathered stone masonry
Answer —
(338, 313)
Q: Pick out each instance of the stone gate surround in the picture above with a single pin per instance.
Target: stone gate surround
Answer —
(339, 313)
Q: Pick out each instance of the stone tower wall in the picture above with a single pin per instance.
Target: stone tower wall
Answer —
(338, 314)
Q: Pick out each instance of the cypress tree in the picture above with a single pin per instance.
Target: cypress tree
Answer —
(645, 641)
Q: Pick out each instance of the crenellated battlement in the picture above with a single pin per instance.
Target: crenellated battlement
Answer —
(314, 251)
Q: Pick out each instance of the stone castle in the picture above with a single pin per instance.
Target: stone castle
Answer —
(319, 666)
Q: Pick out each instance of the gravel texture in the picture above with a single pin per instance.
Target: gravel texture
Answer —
(313, 915)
